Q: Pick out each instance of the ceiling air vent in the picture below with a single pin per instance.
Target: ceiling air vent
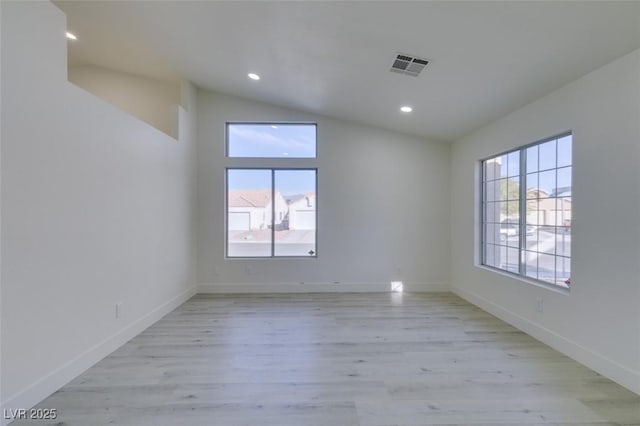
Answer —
(409, 65)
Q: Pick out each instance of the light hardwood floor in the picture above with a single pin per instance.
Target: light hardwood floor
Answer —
(338, 359)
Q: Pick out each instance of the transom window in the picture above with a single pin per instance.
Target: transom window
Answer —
(271, 190)
(271, 140)
(527, 211)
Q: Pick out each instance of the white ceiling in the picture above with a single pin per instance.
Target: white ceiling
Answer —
(333, 58)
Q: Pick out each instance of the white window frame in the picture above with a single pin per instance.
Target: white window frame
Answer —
(522, 220)
(274, 164)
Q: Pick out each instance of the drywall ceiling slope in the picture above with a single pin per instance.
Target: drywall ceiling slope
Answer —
(333, 58)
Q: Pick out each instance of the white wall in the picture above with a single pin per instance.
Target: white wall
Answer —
(152, 101)
(366, 176)
(598, 323)
(96, 210)
(383, 207)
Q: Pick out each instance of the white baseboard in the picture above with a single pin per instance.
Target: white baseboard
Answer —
(53, 381)
(316, 287)
(620, 374)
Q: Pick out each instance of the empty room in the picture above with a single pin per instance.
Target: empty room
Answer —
(293, 213)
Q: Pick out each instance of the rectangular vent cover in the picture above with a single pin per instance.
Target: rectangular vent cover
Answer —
(409, 65)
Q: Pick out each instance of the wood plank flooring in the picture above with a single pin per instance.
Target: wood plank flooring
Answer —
(334, 360)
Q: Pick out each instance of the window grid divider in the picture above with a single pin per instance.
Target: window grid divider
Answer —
(522, 243)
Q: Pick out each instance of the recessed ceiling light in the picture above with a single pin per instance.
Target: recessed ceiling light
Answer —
(285, 153)
(253, 76)
(71, 36)
(406, 109)
(274, 127)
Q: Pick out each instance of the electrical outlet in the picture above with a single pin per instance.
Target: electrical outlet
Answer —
(118, 310)
(540, 305)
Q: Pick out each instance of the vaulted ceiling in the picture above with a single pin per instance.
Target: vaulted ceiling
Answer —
(333, 58)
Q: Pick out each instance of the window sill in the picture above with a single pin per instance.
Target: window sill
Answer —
(540, 284)
(271, 258)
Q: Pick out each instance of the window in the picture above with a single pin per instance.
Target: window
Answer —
(271, 140)
(527, 211)
(271, 211)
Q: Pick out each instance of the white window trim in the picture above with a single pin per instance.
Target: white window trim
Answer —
(521, 275)
(274, 164)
